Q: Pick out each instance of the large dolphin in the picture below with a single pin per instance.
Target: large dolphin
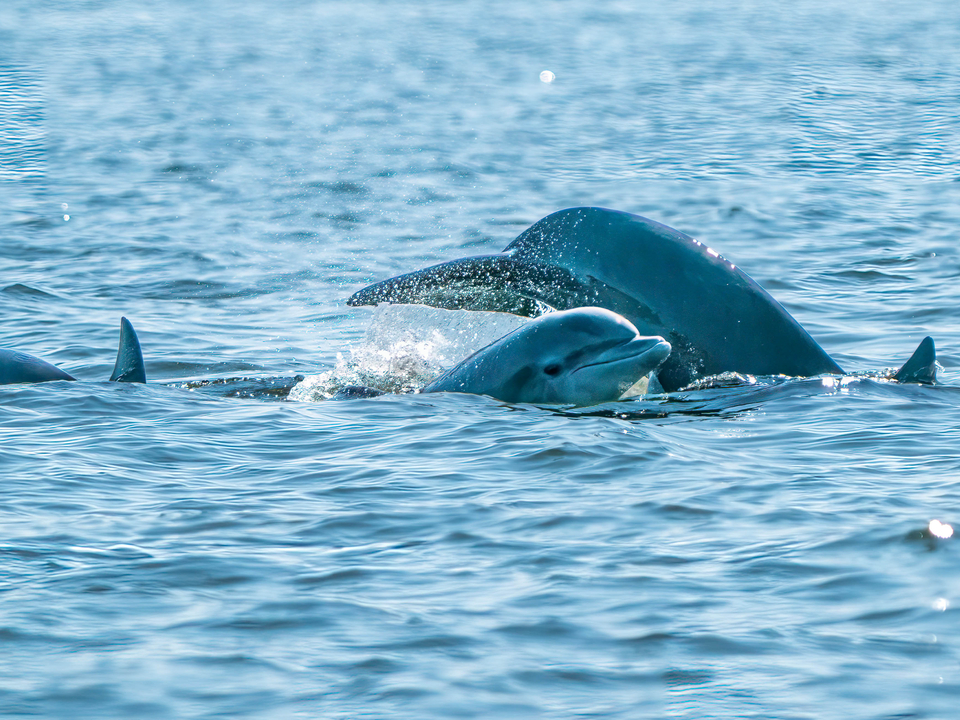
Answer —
(18, 367)
(716, 318)
(585, 356)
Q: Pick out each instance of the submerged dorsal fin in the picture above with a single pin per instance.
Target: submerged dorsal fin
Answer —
(922, 365)
(353, 392)
(129, 367)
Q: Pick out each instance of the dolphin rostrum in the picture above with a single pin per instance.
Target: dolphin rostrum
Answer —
(585, 356)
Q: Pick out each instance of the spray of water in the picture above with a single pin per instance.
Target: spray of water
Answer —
(406, 346)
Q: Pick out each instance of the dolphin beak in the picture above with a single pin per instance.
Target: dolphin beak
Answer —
(646, 351)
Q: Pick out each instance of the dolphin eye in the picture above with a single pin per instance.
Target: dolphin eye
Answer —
(552, 369)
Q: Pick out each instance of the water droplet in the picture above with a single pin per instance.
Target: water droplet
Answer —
(547, 76)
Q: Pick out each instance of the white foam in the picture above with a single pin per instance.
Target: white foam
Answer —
(406, 346)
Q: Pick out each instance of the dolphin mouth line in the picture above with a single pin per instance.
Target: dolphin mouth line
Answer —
(660, 346)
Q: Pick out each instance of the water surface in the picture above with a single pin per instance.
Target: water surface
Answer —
(227, 176)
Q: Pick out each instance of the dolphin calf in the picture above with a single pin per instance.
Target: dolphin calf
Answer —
(715, 317)
(585, 356)
(17, 367)
(582, 357)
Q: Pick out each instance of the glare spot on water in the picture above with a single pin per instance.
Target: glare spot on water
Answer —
(840, 384)
(547, 76)
(940, 530)
(941, 604)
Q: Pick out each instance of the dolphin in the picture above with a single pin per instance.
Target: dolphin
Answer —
(585, 356)
(17, 367)
(581, 357)
(716, 318)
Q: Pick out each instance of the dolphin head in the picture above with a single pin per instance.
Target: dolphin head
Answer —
(584, 356)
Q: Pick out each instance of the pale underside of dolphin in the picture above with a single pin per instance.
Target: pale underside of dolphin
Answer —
(18, 367)
(716, 317)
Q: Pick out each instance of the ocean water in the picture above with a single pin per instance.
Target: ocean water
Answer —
(225, 175)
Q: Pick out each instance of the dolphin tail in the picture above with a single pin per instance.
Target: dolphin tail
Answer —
(129, 367)
(922, 366)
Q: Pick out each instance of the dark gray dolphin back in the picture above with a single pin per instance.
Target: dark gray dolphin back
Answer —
(129, 366)
(498, 283)
(666, 283)
(18, 367)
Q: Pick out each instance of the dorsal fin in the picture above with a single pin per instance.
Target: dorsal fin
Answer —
(922, 365)
(129, 367)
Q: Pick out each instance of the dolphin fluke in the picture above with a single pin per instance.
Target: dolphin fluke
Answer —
(922, 366)
(129, 367)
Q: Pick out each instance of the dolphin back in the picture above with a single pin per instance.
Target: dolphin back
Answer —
(129, 366)
(665, 282)
(18, 367)
(495, 283)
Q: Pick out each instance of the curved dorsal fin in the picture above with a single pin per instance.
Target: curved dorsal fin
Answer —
(922, 365)
(129, 367)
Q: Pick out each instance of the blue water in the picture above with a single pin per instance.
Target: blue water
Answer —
(227, 174)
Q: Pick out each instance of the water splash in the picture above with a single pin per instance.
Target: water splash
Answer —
(406, 346)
